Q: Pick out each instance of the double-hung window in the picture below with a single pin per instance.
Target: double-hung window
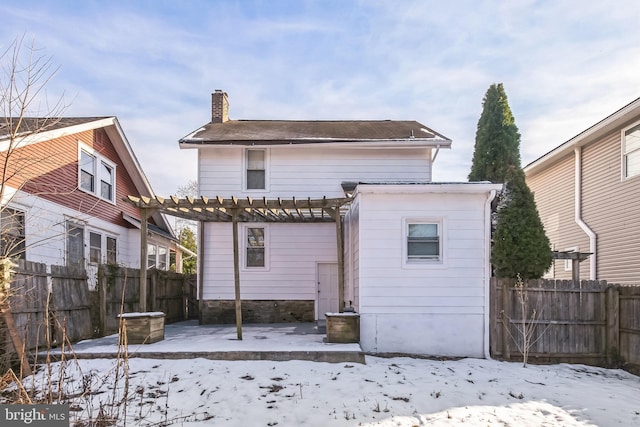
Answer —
(631, 151)
(95, 247)
(96, 174)
(423, 242)
(255, 247)
(112, 250)
(256, 169)
(12, 233)
(162, 258)
(87, 171)
(75, 244)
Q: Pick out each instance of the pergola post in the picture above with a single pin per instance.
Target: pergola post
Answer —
(335, 214)
(236, 272)
(143, 259)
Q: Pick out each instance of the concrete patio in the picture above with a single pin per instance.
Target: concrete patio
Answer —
(187, 340)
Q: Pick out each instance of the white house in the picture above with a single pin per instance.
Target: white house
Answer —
(411, 256)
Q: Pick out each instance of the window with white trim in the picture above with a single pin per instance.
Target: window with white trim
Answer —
(151, 255)
(255, 249)
(631, 151)
(157, 256)
(12, 233)
(162, 258)
(75, 244)
(96, 174)
(423, 242)
(95, 247)
(112, 250)
(256, 169)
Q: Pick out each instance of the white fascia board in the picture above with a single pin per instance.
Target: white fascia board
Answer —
(34, 138)
(586, 137)
(429, 188)
(331, 143)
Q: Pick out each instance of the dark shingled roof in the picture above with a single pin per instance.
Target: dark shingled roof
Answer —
(42, 124)
(273, 132)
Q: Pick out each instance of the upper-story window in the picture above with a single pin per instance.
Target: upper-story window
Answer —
(256, 169)
(631, 151)
(97, 175)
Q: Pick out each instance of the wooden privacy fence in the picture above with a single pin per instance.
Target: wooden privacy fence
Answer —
(42, 313)
(588, 322)
(119, 291)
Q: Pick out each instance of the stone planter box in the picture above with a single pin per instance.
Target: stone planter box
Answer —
(343, 327)
(144, 328)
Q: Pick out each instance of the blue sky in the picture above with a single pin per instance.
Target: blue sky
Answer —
(153, 64)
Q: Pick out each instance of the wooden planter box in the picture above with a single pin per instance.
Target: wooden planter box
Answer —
(343, 327)
(144, 328)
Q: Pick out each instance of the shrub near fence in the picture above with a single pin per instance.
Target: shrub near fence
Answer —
(589, 322)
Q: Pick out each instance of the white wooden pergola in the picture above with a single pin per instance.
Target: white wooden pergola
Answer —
(235, 210)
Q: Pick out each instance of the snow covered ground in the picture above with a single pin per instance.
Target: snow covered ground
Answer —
(384, 392)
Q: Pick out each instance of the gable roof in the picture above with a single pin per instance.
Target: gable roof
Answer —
(617, 120)
(287, 132)
(37, 129)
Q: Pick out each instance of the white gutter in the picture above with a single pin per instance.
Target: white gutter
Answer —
(487, 274)
(578, 213)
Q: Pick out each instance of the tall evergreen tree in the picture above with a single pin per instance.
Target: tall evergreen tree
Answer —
(497, 145)
(520, 245)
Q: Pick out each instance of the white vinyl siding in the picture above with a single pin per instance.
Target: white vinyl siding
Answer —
(309, 171)
(447, 299)
(293, 251)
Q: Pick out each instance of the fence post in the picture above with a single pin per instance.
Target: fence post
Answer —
(613, 323)
(505, 316)
(102, 301)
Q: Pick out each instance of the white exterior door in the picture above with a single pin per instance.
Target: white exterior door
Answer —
(327, 301)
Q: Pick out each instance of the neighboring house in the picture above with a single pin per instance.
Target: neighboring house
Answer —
(587, 192)
(63, 191)
(415, 257)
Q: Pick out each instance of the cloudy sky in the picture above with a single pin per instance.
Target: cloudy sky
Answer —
(153, 64)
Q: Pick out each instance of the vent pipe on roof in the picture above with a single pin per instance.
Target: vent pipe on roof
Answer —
(219, 107)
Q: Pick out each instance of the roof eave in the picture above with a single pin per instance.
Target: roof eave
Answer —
(587, 136)
(378, 143)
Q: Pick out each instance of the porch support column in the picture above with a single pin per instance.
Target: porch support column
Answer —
(236, 272)
(335, 214)
(144, 214)
(200, 265)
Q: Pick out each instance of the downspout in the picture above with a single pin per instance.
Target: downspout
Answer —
(578, 213)
(487, 275)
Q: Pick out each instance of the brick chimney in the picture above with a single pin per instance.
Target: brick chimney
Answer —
(219, 107)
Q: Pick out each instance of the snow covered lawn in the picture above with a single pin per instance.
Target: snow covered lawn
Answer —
(384, 392)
